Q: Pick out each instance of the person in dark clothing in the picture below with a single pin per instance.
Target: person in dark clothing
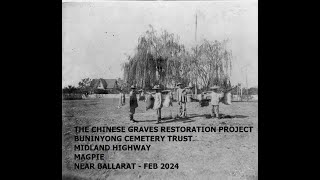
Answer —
(133, 103)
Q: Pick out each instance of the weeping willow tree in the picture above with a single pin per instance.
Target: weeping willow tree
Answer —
(161, 59)
(157, 60)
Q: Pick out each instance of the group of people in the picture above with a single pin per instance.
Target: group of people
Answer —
(181, 99)
(134, 102)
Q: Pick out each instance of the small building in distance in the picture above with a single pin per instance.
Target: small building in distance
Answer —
(104, 86)
(112, 86)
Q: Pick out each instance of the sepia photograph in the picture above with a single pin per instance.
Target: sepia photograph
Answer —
(160, 90)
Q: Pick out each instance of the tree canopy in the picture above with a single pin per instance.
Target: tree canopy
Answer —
(160, 58)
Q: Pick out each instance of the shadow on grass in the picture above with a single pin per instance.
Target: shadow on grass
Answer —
(171, 120)
(168, 120)
(245, 101)
(146, 121)
(188, 120)
(239, 116)
(208, 116)
(222, 116)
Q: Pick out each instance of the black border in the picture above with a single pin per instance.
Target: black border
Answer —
(35, 104)
(37, 39)
(277, 95)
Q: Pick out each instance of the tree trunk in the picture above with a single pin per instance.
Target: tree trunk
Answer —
(196, 89)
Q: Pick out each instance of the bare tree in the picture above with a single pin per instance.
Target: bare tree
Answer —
(215, 65)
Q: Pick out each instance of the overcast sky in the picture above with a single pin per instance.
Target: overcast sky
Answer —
(96, 36)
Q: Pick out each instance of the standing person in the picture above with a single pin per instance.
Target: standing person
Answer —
(122, 98)
(139, 95)
(182, 100)
(158, 102)
(215, 99)
(170, 102)
(171, 98)
(143, 98)
(133, 102)
(189, 92)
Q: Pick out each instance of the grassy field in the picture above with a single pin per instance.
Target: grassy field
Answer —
(207, 156)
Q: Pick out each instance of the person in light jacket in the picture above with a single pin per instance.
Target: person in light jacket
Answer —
(182, 100)
(215, 100)
(122, 98)
(133, 103)
(158, 102)
(171, 98)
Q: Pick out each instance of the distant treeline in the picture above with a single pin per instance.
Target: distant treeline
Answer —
(250, 91)
(87, 90)
(160, 59)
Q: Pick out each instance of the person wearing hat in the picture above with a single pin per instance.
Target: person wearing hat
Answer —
(215, 99)
(133, 102)
(182, 100)
(158, 102)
